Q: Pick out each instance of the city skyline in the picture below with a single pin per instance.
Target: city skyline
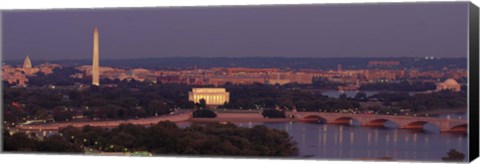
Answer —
(253, 31)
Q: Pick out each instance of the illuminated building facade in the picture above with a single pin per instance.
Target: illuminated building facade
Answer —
(449, 84)
(212, 96)
(27, 63)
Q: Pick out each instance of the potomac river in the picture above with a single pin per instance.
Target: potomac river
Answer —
(328, 141)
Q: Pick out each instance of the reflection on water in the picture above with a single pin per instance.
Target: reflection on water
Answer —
(367, 142)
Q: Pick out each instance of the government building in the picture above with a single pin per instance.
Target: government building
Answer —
(449, 84)
(212, 96)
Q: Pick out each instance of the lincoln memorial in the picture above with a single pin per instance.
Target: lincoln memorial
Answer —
(212, 96)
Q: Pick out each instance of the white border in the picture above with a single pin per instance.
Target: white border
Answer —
(69, 4)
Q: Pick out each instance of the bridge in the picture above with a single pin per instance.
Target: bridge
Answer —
(374, 120)
(371, 120)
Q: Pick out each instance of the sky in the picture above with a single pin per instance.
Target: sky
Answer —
(325, 30)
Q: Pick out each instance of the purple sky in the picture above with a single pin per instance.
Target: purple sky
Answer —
(347, 30)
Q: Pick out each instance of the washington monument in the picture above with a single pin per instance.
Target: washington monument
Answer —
(95, 67)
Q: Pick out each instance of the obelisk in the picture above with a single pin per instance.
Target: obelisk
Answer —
(95, 64)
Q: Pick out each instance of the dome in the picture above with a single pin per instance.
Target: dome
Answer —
(27, 63)
(450, 82)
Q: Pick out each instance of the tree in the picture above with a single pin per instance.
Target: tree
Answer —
(202, 104)
(162, 138)
(19, 142)
(454, 155)
(205, 113)
(157, 107)
(58, 144)
(420, 108)
(7, 145)
(42, 114)
(62, 114)
(361, 96)
(273, 114)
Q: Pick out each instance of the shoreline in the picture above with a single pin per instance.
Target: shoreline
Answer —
(239, 120)
(445, 111)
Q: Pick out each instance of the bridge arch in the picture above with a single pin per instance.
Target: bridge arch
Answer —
(380, 122)
(313, 119)
(461, 128)
(344, 120)
(419, 124)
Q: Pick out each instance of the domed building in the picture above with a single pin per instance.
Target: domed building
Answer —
(27, 67)
(27, 64)
(449, 84)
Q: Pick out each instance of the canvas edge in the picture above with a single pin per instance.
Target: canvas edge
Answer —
(473, 76)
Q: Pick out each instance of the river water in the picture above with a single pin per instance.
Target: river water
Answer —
(353, 142)
(326, 141)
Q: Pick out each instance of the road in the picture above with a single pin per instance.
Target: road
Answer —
(177, 117)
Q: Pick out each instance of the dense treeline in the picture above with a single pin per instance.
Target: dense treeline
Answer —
(165, 138)
(103, 103)
(454, 156)
(324, 83)
(162, 138)
(420, 102)
(204, 113)
(270, 96)
(59, 77)
(403, 86)
(273, 113)
(436, 100)
(23, 142)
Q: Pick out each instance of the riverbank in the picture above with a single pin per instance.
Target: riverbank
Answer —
(179, 117)
(236, 120)
(444, 111)
(239, 117)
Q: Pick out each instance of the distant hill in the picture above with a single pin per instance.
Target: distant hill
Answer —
(263, 62)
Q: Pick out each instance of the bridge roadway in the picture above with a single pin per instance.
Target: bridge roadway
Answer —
(404, 122)
(177, 117)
